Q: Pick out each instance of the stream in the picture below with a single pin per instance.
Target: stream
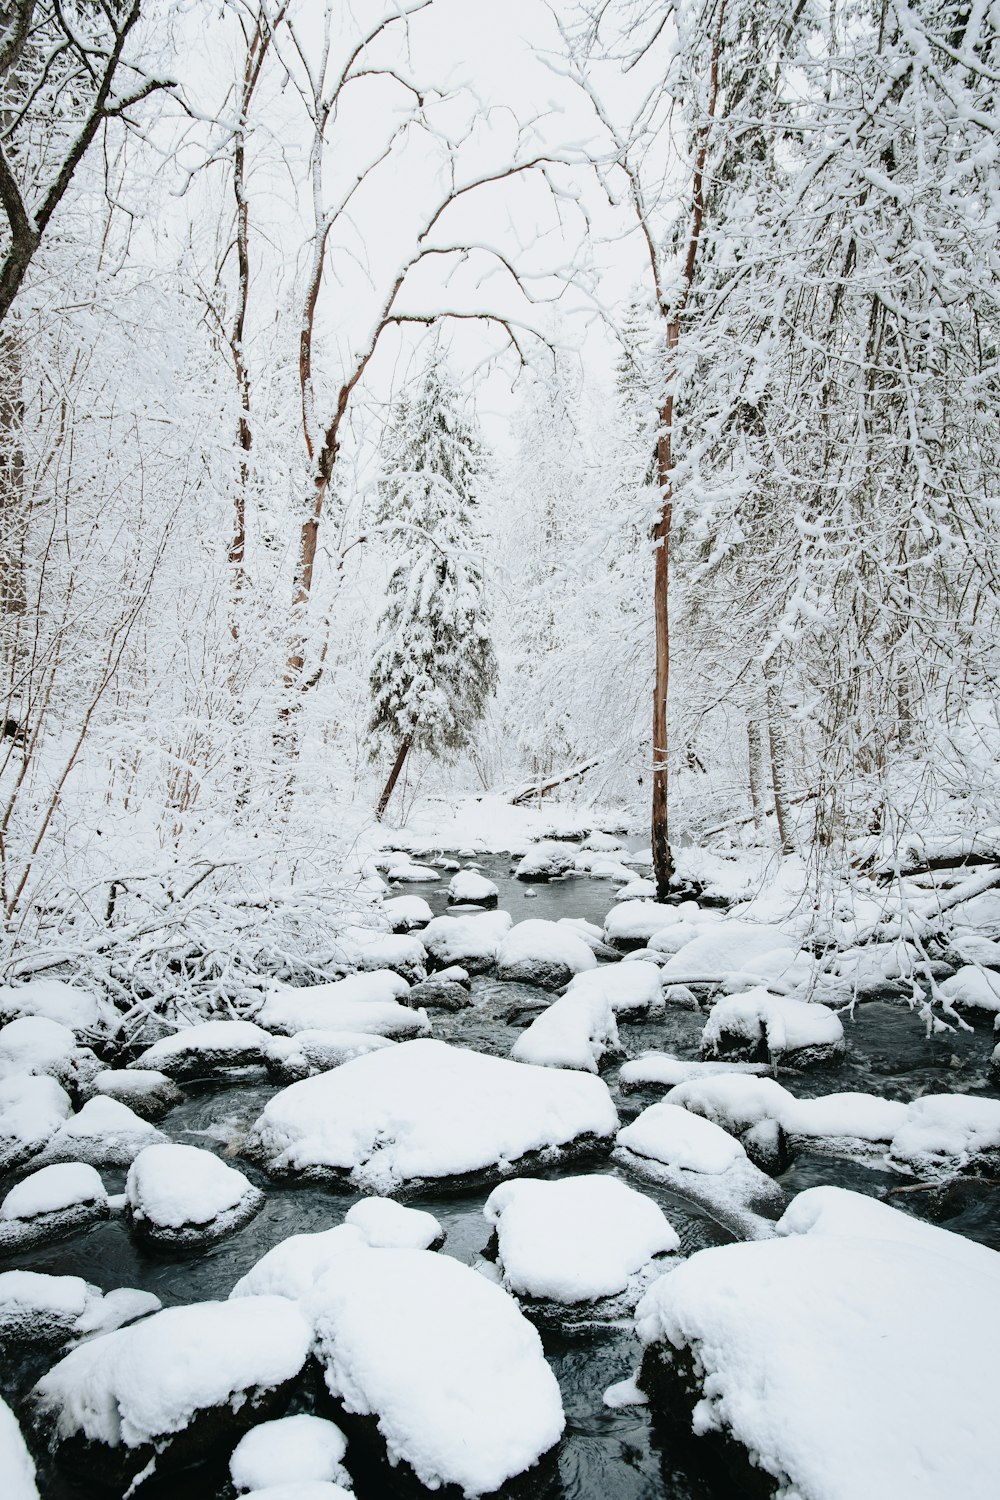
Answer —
(606, 1454)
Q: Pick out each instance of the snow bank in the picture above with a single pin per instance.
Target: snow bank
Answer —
(576, 1031)
(206, 1048)
(425, 1110)
(577, 1240)
(291, 1450)
(758, 1026)
(17, 1467)
(105, 1133)
(771, 1354)
(145, 1383)
(545, 953)
(444, 1360)
(31, 1111)
(470, 941)
(178, 1195)
(360, 1003)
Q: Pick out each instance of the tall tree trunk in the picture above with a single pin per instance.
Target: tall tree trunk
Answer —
(776, 735)
(755, 749)
(397, 766)
(663, 859)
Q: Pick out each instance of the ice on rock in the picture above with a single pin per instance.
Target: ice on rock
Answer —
(37, 1046)
(444, 1360)
(293, 1266)
(943, 1134)
(543, 953)
(373, 952)
(666, 1071)
(181, 1195)
(17, 1467)
(424, 1111)
(756, 1340)
(309, 1052)
(361, 1003)
(208, 1047)
(406, 912)
(628, 988)
(387, 1225)
(470, 887)
(632, 924)
(579, 1248)
(977, 988)
(546, 861)
(471, 941)
(40, 1309)
(148, 1092)
(71, 1006)
(49, 1203)
(116, 1402)
(758, 1026)
(32, 1108)
(104, 1133)
(700, 1161)
(290, 1451)
(576, 1031)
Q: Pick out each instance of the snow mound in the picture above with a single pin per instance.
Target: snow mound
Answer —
(105, 1133)
(387, 1225)
(838, 1211)
(444, 1360)
(545, 861)
(149, 1093)
(575, 1031)
(758, 1026)
(405, 912)
(207, 1047)
(300, 1489)
(737, 1102)
(31, 1111)
(179, 1195)
(471, 941)
(291, 1450)
(293, 1266)
(17, 1467)
(469, 886)
(71, 1006)
(143, 1384)
(769, 1351)
(544, 953)
(309, 1052)
(977, 988)
(631, 987)
(361, 1003)
(947, 1133)
(665, 1070)
(728, 946)
(371, 951)
(426, 1111)
(844, 1117)
(51, 1202)
(577, 1240)
(405, 871)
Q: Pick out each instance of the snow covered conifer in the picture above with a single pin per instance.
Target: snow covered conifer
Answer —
(434, 667)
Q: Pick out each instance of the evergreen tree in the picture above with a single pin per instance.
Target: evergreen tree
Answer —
(434, 667)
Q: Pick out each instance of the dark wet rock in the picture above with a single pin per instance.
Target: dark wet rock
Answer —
(439, 993)
(767, 1147)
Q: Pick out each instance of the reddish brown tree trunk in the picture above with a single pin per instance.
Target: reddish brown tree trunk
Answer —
(397, 766)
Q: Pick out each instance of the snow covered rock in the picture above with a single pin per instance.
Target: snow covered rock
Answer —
(290, 1450)
(406, 912)
(736, 1101)
(629, 988)
(307, 1052)
(371, 951)
(995, 1065)
(71, 1006)
(546, 861)
(943, 1134)
(387, 1225)
(578, 1250)
(150, 1094)
(104, 1133)
(978, 989)
(17, 1467)
(425, 1111)
(849, 1124)
(37, 1046)
(361, 1003)
(207, 1048)
(636, 888)
(31, 1111)
(543, 953)
(575, 1031)
(700, 1161)
(468, 887)
(293, 1266)
(39, 1309)
(471, 941)
(729, 946)
(51, 1202)
(442, 991)
(748, 1343)
(445, 1364)
(663, 1070)
(181, 1197)
(760, 1027)
(407, 873)
(171, 1387)
(837, 1212)
(633, 923)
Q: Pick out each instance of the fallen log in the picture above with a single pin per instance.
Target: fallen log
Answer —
(541, 788)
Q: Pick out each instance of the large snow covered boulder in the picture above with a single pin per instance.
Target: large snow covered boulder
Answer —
(171, 1387)
(545, 861)
(205, 1049)
(578, 1250)
(729, 946)
(746, 1345)
(35, 1045)
(632, 924)
(943, 1134)
(104, 1133)
(471, 941)
(469, 888)
(371, 951)
(32, 1108)
(360, 1003)
(36, 1309)
(449, 1374)
(290, 1451)
(292, 1267)
(758, 1026)
(425, 1111)
(575, 1031)
(51, 1202)
(630, 988)
(17, 1467)
(971, 986)
(702, 1162)
(406, 912)
(307, 1052)
(149, 1093)
(181, 1197)
(543, 953)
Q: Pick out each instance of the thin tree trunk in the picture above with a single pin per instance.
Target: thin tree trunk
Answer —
(387, 790)
(755, 749)
(776, 735)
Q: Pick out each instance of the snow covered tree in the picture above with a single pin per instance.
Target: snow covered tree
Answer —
(434, 667)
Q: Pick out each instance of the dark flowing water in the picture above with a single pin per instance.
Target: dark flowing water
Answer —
(606, 1455)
